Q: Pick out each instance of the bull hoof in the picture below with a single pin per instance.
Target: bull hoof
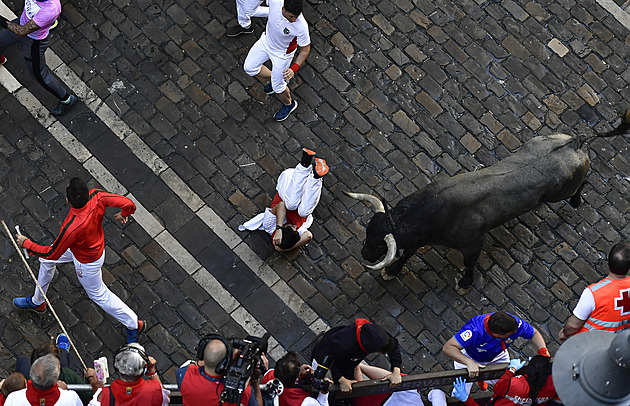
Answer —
(459, 289)
(462, 291)
(387, 276)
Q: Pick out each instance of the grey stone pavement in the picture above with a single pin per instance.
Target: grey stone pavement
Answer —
(395, 94)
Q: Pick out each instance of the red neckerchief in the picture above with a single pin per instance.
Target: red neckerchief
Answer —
(123, 390)
(359, 325)
(38, 397)
(485, 325)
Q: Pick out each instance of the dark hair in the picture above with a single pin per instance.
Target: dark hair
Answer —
(287, 368)
(45, 349)
(536, 373)
(77, 193)
(293, 6)
(502, 323)
(13, 382)
(290, 237)
(389, 346)
(619, 259)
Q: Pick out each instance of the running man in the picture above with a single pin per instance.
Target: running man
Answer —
(286, 30)
(82, 241)
(245, 10)
(32, 30)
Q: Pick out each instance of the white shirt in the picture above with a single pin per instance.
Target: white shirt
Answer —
(585, 305)
(322, 400)
(66, 398)
(404, 398)
(281, 32)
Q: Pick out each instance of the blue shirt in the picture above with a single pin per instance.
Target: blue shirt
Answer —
(475, 338)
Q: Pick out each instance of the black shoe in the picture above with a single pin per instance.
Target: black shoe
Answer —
(238, 30)
(63, 106)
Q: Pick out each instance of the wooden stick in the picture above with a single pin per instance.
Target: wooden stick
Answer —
(43, 293)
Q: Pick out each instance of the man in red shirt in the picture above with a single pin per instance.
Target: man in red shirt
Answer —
(132, 364)
(82, 241)
(202, 383)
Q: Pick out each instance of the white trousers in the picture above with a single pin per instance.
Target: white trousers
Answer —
(259, 54)
(503, 356)
(299, 190)
(91, 279)
(246, 9)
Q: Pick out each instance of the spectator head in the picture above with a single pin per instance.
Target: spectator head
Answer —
(375, 339)
(292, 9)
(44, 349)
(536, 373)
(619, 259)
(13, 382)
(214, 354)
(290, 237)
(287, 369)
(502, 324)
(77, 193)
(131, 362)
(44, 372)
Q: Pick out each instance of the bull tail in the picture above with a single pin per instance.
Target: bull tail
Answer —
(622, 129)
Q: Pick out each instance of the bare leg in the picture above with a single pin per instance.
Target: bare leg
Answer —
(285, 97)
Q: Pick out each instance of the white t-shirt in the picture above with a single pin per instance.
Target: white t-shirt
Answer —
(322, 400)
(282, 36)
(585, 305)
(66, 398)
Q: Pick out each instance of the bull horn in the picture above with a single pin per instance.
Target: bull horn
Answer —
(391, 253)
(373, 200)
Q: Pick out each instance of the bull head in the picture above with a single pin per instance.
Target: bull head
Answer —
(389, 239)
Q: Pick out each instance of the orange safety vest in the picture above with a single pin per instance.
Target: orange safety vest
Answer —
(612, 306)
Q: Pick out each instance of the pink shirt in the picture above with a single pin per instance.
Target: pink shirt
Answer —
(43, 13)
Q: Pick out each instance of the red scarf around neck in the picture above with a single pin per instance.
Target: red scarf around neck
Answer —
(38, 397)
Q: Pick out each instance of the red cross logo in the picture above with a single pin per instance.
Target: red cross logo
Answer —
(623, 302)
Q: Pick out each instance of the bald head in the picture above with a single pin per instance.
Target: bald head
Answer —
(214, 352)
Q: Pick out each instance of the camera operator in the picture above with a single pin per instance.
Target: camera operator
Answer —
(347, 346)
(298, 382)
(202, 382)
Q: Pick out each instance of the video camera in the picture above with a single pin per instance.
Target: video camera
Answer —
(240, 369)
(316, 379)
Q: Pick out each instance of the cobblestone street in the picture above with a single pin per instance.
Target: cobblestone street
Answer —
(395, 94)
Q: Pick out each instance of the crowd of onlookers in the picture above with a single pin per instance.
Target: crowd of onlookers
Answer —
(337, 357)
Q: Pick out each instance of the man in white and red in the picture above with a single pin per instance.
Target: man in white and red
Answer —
(82, 241)
(604, 305)
(290, 214)
(42, 389)
(290, 372)
(286, 30)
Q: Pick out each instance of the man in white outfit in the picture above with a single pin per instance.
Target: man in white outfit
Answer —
(245, 10)
(290, 214)
(286, 30)
(42, 387)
